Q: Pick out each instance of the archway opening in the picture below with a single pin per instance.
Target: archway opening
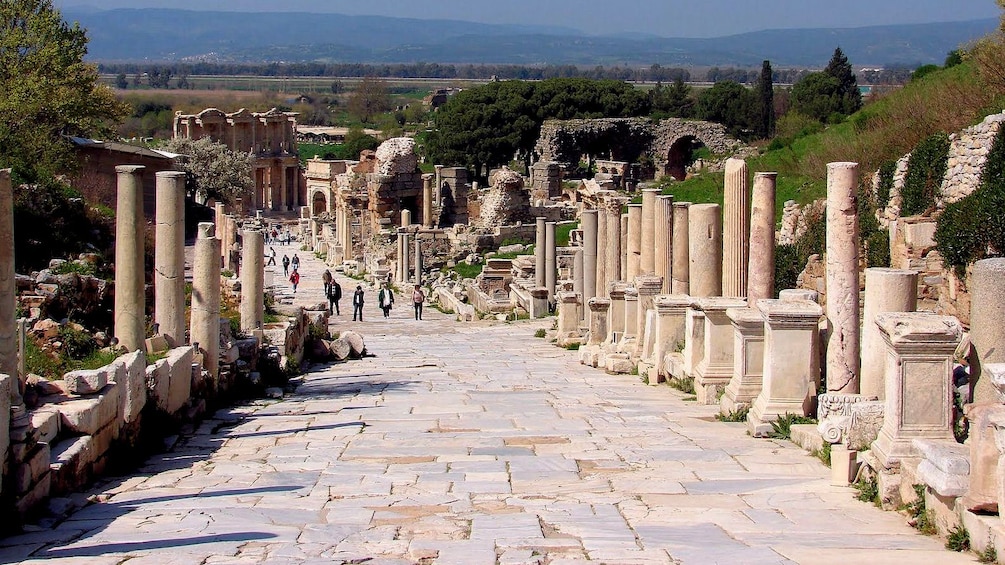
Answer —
(682, 154)
(319, 204)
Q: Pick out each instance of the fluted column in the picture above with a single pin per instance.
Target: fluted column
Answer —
(130, 298)
(705, 250)
(843, 355)
(252, 280)
(736, 229)
(406, 261)
(205, 326)
(550, 261)
(612, 271)
(663, 260)
(647, 258)
(681, 266)
(602, 243)
(169, 257)
(418, 260)
(634, 249)
(761, 271)
(589, 225)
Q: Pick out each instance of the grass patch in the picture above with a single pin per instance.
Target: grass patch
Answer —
(823, 454)
(868, 490)
(573, 346)
(958, 539)
(989, 555)
(685, 385)
(468, 271)
(782, 427)
(541, 332)
(738, 415)
(921, 518)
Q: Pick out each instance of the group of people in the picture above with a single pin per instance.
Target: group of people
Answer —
(275, 235)
(385, 299)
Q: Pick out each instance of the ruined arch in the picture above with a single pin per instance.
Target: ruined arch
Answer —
(675, 138)
(319, 202)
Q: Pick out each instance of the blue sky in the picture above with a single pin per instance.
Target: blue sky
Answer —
(669, 18)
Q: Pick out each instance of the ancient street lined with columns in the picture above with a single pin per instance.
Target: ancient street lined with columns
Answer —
(472, 443)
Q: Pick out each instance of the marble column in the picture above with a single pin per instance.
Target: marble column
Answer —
(540, 247)
(705, 250)
(252, 281)
(761, 265)
(736, 229)
(663, 261)
(612, 270)
(680, 268)
(623, 258)
(886, 290)
(599, 309)
(602, 242)
(715, 370)
(647, 286)
(400, 257)
(130, 298)
(406, 262)
(427, 201)
(919, 378)
(418, 260)
(406, 218)
(578, 280)
(169, 257)
(647, 258)
(220, 212)
(843, 355)
(205, 325)
(634, 247)
(589, 224)
(8, 302)
(550, 261)
(987, 325)
(748, 359)
(791, 362)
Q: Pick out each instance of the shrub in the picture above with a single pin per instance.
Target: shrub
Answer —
(925, 169)
(868, 490)
(76, 344)
(541, 332)
(886, 172)
(738, 415)
(787, 266)
(782, 427)
(958, 538)
(920, 517)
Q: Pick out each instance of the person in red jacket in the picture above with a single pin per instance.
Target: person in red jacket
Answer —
(295, 279)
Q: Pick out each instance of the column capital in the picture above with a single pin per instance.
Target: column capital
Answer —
(599, 304)
(649, 285)
(921, 332)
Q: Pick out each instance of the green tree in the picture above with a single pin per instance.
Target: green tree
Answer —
(732, 105)
(816, 95)
(850, 97)
(121, 82)
(214, 170)
(48, 91)
(673, 101)
(766, 102)
(370, 97)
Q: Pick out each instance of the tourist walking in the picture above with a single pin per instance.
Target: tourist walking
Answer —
(272, 256)
(286, 265)
(334, 294)
(295, 262)
(295, 279)
(357, 304)
(418, 297)
(386, 299)
(326, 278)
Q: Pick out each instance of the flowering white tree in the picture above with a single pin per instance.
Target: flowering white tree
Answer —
(214, 170)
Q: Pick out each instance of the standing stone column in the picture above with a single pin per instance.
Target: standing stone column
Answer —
(8, 300)
(843, 355)
(623, 258)
(987, 325)
(791, 362)
(550, 261)
(406, 218)
(439, 178)
(540, 246)
(220, 212)
(761, 270)
(253, 281)
(418, 260)
(612, 270)
(634, 248)
(169, 257)
(406, 262)
(205, 326)
(399, 262)
(130, 298)
(602, 242)
(664, 240)
(886, 290)
(578, 281)
(427, 201)
(681, 264)
(919, 378)
(647, 286)
(589, 224)
(705, 250)
(599, 308)
(647, 259)
(736, 229)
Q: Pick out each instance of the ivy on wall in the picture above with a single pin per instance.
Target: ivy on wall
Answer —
(925, 170)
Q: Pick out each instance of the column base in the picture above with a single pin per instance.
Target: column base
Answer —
(740, 393)
(710, 383)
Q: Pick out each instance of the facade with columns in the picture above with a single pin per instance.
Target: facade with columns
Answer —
(269, 136)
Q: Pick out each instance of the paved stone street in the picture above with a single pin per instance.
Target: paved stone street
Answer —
(473, 444)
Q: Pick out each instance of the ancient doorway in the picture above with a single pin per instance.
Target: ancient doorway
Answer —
(320, 204)
(681, 155)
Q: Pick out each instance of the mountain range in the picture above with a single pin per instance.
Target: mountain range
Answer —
(167, 35)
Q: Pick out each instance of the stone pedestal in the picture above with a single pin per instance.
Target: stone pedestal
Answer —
(599, 309)
(427, 201)
(205, 327)
(791, 362)
(987, 324)
(130, 298)
(589, 225)
(886, 290)
(985, 457)
(569, 305)
(797, 294)
(253, 281)
(671, 312)
(748, 359)
(539, 306)
(647, 287)
(736, 229)
(761, 270)
(633, 251)
(631, 314)
(705, 250)
(169, 257)
(694, 340)
(8, 300)
(647, 259)
(550, 261)
(681, 264)
(663, 261)
(616, 317)
(716, 367)
(540, 246)
(843, 355)
(919, 377)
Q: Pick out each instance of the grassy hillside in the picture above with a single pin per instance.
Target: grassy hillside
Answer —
(887, 128)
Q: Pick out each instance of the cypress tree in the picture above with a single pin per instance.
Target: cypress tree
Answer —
(766, 97)
(848, 92)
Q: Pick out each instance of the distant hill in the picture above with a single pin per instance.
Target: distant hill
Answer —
(180, 35)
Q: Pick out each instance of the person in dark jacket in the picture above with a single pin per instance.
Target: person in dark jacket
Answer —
(357, 303)
(334, 295)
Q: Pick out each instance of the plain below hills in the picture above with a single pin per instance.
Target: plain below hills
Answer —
(166, 35)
